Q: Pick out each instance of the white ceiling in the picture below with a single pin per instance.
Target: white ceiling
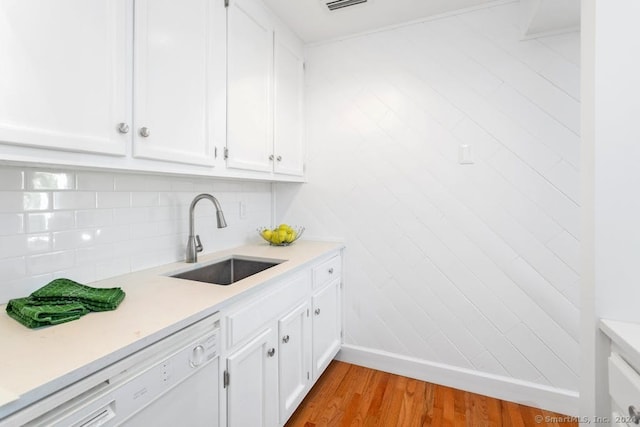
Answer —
(313, 22)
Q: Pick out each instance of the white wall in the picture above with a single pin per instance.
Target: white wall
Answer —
(611, 131)
(467, 268)
(92, 225)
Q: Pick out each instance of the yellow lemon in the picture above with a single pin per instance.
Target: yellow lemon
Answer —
(284, 227)
(282, 235)
(275, 238)
(267, 234)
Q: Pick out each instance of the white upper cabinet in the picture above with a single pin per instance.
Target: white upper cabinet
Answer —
(194, 87)
(179, 80)
(250, 70)
(288, 118)
(63, 74)
(265, 83)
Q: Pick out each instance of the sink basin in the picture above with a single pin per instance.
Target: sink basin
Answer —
(227, 271)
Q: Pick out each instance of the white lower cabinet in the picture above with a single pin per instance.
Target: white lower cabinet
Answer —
(252, 390)
(294, 374)
(278, 343)
(327, 327)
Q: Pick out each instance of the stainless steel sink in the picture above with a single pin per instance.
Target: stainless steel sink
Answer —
(227, 271)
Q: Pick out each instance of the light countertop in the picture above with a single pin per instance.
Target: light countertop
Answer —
(38, 362)
(626, 335)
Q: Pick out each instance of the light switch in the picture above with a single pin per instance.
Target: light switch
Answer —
(464, 154)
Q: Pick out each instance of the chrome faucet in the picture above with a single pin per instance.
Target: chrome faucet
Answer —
(193, 243)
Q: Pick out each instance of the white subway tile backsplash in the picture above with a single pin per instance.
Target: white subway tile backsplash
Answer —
(93, 218)
(146, 229)
(41, 180)
(95, 253)
(13, 268)
(72, 239)
(112, 234)
(81, 274)
(31, 201)
(50, 262)
(129, 182)
(91, 225)
(95, 181)
(74, 200)
(11, 179)
(38, 242)
(13, 245)
(132, 215)
(11, 223)
(113, 200)
(21, 288)
(140, 199)
(112, 267)
(50, 221)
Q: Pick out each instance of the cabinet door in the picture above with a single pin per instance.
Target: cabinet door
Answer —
(288, 117)
(250, 86)
(178, 45)
(294, 371)
(252, 393)
(326, 326)
(63, 74)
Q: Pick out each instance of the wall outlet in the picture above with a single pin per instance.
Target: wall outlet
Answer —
(465, 156)
(242, 210)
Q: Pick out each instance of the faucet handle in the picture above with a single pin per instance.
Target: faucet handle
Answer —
(198, 244)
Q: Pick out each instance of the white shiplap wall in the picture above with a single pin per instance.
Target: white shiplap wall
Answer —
(89, 226)
(474, 267)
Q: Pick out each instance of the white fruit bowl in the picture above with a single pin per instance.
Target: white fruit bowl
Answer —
(298, 230)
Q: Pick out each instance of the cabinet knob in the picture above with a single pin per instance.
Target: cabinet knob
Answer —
(634, 414)
(285, 339)
(331, 270)
(145, 132)
(279, 158)
(271, 157)
(123, 128)
(317, 311)
(271, 352)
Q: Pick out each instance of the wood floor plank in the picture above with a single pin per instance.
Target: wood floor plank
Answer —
(350, 395)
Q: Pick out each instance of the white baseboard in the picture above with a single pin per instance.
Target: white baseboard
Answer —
(496, 386)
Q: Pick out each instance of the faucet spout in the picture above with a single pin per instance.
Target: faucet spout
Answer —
(193, 243)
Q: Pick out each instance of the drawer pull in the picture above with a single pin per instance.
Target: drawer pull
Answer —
(317, 311)
(271, 352)
(634, 414)
(331, 270)
(285, 339)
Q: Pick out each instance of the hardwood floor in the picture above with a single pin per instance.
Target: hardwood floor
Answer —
(350, 395)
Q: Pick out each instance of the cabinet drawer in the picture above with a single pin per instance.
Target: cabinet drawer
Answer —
(256, 314)
(624, 384)
(327, 271)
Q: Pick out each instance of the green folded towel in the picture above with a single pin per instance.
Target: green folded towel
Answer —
(35, 314)
(62, 300)
(65, 290)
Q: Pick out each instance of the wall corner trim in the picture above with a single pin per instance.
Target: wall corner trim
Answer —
(496, 386)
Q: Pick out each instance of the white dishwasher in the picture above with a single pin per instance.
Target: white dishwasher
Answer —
(173, 382)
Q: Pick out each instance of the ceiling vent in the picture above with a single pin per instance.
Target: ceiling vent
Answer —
(340, 4)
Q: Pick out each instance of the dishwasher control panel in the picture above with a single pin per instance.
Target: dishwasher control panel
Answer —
(205, 350)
